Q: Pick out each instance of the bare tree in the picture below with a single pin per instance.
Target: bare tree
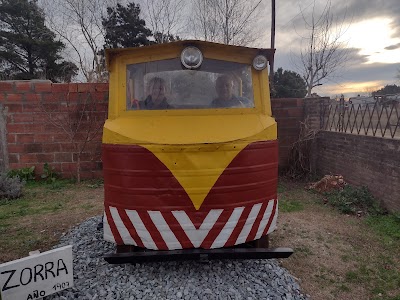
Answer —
(164, 18)
(227, 21)
(205, 20)
(78, 24)
(323, 52)
(81, 120)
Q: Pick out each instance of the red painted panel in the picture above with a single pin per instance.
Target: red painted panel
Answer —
(136, 180)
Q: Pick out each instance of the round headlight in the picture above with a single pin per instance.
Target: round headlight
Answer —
(260, 62)
(191, 57)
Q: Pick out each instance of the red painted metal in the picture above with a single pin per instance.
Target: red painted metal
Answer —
(136, 180)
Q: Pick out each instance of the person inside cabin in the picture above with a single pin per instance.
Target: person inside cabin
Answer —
(224, 87)
(156, 98)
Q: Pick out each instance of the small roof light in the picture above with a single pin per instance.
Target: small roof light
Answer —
(191, 57)
(260, 62)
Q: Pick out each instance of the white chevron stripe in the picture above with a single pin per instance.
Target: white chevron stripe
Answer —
(197, 236)
(107, 234)
(141, 229)
(264, 220)
(228, 228)
(273, 223)
(123, 232)
(249, 224)
(165, 231)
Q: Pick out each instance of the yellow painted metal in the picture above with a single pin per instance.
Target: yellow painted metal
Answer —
(195, 145)
(184, 130)
(197, 167)
(118, 59)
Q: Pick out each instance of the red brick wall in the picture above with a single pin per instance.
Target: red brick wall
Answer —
(288, 114)
(33, 140)
(364, 161)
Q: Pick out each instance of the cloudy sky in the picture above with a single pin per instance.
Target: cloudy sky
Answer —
(372, 34)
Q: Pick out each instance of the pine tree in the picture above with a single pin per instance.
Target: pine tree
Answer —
(28, 49)
(288, 84)
(387, 90)
(124, 27)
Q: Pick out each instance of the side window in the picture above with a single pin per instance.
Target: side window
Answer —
(162, 85)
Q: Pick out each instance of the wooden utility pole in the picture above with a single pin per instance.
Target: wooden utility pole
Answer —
(271, 63)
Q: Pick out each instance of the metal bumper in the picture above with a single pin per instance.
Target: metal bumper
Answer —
(198, 254)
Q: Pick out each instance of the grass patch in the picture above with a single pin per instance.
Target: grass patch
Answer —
(344, 288)
(293, 197)
(26, 206)
(46, 210)
(380, 272)
(346, 258)
(304, 251)
(387, 226)
(290, 205)
(281, 187)
(379, 276)
(58, 184)
(87, 206)
(352, 256)
(94, 183)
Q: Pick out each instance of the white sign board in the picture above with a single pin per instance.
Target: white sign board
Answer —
(36, 276)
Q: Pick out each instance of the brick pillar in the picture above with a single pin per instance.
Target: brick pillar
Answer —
(313, 110)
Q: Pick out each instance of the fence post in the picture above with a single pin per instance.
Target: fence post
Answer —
(3, 140)
(341, 114)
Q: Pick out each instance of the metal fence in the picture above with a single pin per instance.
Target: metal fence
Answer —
(375, 119)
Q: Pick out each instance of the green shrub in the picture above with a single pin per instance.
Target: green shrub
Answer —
(49, 174)
(24, 174)
(10, 187)
(351, 200)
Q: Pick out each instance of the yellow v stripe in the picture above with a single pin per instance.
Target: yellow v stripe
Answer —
(197, 168)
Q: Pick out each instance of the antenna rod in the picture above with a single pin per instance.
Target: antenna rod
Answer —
(271, 63)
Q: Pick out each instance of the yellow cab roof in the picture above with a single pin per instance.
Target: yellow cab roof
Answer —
(179, 45)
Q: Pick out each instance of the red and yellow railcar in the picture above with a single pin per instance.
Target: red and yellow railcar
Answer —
(190, 150)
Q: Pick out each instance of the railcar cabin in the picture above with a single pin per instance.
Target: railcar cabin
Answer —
(190, 153)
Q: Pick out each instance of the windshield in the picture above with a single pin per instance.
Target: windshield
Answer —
(161, 85)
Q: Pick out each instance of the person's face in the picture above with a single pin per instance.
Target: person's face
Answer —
(224, 89)
(158, 92)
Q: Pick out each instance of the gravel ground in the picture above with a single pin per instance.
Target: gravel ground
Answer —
(94, 278)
